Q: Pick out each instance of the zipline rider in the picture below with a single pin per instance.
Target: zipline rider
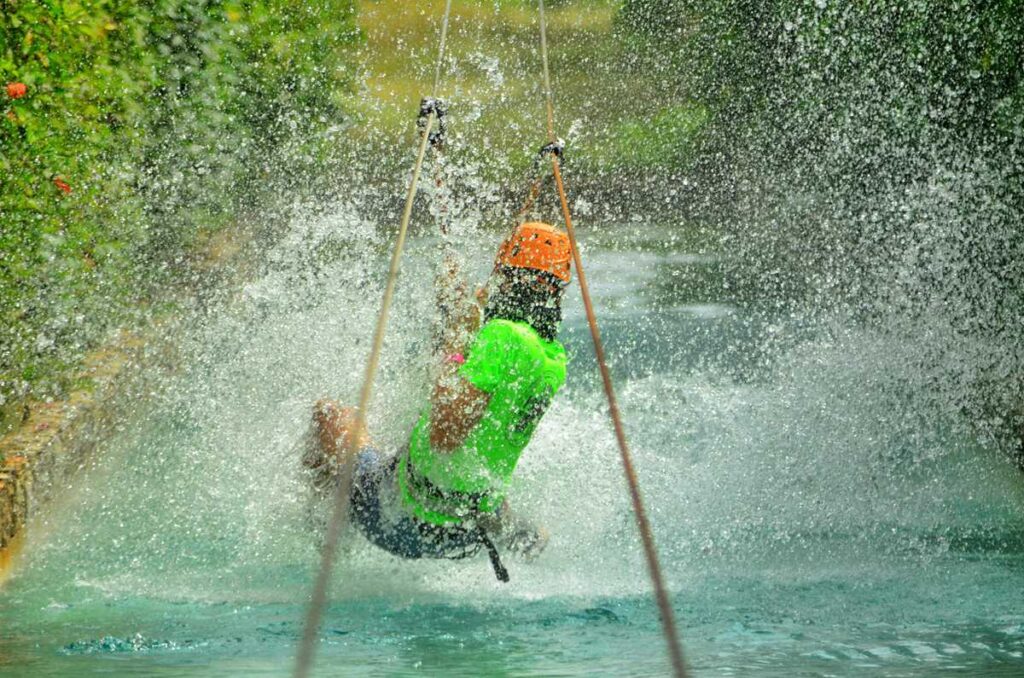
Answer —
(443, 494)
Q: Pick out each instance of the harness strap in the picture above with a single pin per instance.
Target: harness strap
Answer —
(471, 499)
(428, 487)
(492, 551)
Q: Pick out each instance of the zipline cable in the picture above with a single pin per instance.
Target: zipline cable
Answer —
(660, 591)
(339, 516)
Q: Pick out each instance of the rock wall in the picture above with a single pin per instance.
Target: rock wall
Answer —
(55, 440)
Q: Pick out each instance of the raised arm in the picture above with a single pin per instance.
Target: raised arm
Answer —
(456, 405)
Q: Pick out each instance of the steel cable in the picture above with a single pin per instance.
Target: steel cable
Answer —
(339, 514)
(650, 551)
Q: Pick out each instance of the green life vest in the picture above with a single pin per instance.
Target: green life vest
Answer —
(522, 372)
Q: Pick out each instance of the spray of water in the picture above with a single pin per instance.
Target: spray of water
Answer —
(801, 376)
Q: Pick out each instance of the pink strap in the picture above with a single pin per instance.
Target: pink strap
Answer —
(457, 358)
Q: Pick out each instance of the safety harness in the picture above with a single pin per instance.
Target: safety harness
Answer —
(423, 487)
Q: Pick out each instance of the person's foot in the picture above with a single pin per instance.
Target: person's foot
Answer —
(336, 427)
(528, 543)
(332, 450)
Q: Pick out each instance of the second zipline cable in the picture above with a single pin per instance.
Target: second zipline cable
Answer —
(668, 623)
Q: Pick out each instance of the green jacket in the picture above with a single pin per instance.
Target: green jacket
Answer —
(522, 372)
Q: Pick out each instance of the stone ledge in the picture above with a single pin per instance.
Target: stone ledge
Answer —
(57, 439)
(52, 441)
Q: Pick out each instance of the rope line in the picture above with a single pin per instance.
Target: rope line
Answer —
(339, 514)
(442, 44)
(548, 97)
(643, 524)
(531, 198)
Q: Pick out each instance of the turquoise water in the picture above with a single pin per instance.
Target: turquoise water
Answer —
(816, 514)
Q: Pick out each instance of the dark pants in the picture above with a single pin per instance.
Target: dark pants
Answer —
(402, 534)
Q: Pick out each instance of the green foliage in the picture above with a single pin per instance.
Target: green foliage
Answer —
(831, 113)
(865, 158)
(663, 141)
(937, 65)
(167, 119)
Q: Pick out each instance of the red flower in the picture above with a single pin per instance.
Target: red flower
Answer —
(16, 90)
(62, 185)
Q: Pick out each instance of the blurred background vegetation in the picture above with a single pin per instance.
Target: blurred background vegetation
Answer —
(134, 131)
(863, 162)
(852, 164)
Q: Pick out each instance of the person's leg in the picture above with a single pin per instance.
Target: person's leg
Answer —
(372, 486)
(335, 426)
(329, 455)
(515, 533)
(370, 473)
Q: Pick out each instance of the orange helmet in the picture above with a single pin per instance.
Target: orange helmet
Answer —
(538, 246)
